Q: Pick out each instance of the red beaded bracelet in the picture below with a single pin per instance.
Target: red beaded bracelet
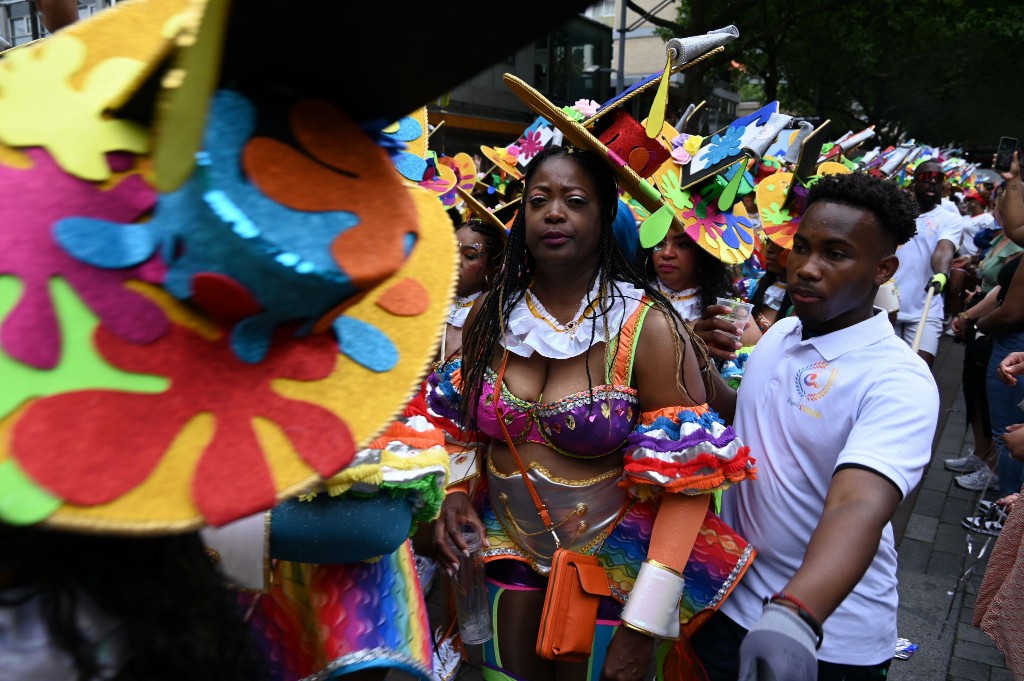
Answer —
(803, 611)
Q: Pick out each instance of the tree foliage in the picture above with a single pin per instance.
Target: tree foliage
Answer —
(944, 71)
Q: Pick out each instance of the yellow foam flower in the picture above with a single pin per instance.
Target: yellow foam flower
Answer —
(692, 144)
(39, 107)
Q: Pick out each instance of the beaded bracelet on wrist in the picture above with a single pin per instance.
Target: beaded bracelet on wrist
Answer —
(804, 613)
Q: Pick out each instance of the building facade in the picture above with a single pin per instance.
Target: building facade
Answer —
(643, 53)
(21, 23)
(567, 64)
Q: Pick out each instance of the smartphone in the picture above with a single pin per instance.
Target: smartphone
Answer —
(1004, 154)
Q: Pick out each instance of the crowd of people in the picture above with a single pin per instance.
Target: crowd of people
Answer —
(668, 387)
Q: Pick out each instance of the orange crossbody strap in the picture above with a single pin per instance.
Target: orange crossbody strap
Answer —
(499, 414)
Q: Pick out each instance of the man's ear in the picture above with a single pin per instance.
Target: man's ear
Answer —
(887, 267)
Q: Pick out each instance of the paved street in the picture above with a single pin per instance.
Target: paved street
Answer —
(934, 552)
(936, 604)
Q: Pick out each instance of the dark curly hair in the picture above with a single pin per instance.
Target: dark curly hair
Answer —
(895, 209)
(482, 338)
(177, 618)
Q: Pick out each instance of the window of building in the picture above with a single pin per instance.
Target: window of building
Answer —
(21, 30)
(604, 8)
(574, 62)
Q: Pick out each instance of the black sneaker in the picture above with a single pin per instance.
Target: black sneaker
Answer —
(990, 525)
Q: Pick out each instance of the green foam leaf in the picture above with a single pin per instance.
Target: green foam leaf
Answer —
(728, 196)
(22, 502)
(80, 368)
(654, 228)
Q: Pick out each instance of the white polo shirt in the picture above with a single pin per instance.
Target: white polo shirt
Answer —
(857, 397)
(915, 256)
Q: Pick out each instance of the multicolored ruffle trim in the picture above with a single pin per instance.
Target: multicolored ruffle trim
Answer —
(684, 450)
(408, 460)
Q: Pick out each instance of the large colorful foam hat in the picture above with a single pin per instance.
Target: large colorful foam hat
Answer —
(704, 178)
(633, 153)
(844, 146)
(782, 196)
(891, 160)
(210, 299)
(513, 158)
(638, 151)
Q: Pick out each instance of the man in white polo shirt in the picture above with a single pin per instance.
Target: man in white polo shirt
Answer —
(840, 415)
(925, 261)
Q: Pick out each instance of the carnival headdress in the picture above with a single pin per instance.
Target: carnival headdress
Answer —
(782, 196)
(691, 190)
(210, 299)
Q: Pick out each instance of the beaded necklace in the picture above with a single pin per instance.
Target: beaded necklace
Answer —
(676, 296)
(587, 306)
(460, 308)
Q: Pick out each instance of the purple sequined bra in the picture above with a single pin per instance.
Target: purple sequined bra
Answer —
(584, 425)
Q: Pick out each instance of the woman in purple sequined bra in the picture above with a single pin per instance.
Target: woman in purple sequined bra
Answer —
(582, 370)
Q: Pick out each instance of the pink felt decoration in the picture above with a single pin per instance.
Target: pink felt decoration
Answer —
(31, 202)
(109, 442)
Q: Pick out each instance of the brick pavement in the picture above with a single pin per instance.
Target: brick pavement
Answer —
(935, 607)
(936, 603)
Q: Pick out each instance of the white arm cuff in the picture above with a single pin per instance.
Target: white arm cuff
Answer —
(241, 551)
(653, 605)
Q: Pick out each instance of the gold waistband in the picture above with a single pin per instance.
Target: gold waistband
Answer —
(583, 511)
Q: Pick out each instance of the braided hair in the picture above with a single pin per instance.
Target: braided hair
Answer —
(484, 335)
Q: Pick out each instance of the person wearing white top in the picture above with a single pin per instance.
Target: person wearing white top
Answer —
(975, 220)
(925, 262)
(843, 443)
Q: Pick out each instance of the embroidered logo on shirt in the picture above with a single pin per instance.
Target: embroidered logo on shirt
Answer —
(812, 383)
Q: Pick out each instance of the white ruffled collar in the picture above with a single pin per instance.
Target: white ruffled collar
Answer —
(686, 302)
(460, 309)
(774, 294)
(532, 329)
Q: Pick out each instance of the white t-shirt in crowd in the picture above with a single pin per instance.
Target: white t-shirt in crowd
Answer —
(915, 256)
(854, 397)
(973, 225)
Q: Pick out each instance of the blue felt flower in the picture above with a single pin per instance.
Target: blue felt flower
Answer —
(724, 146)
(736, 229)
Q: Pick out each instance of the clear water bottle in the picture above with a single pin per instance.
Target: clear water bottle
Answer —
(469, 585)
